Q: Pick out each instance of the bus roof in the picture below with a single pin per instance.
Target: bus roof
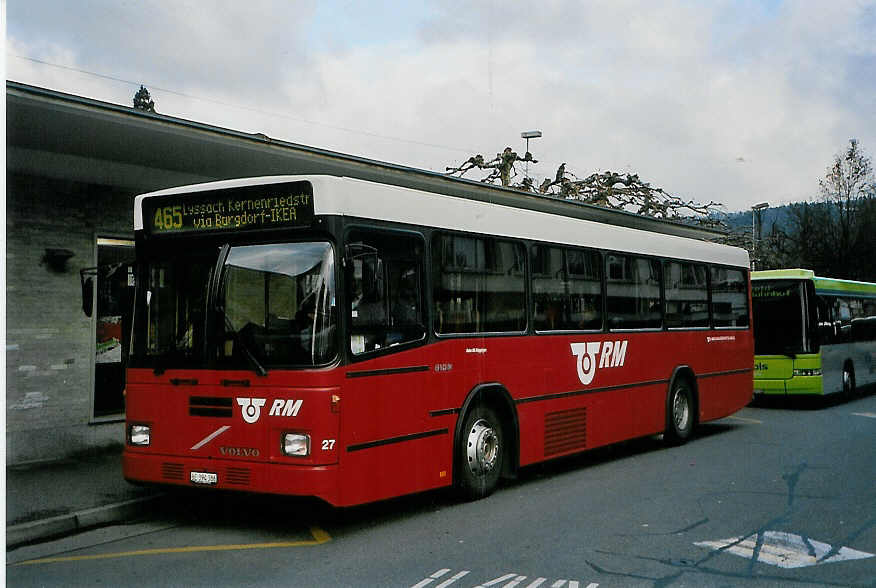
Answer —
(343, 196)
(822, 285)
(785, 274)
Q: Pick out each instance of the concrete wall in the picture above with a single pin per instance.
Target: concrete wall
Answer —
(50, 341)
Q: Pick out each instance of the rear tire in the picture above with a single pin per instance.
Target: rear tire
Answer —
(679, 412)
(848, 381)
(480, 453)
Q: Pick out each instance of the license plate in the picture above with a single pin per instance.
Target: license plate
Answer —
(204, 478)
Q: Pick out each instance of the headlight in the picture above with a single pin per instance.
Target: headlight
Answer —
(296, 444)
(807, 372)
(140, 435)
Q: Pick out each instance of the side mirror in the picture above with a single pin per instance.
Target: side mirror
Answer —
(86, 280)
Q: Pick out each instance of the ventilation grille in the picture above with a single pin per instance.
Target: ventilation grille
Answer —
(237, 476)
(172, 471)
(565, 431)
(206, 406)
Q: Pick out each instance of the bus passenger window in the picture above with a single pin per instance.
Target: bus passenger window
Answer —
(567, 289)
(729, 297)
(479, 285)
(384, 285)
(687, 295)
(633, 292)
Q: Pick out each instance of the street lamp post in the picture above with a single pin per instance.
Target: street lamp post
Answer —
(756, 212)
(528, 135)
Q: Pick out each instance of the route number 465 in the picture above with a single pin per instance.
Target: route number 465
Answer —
(328, 444)
(169, 217)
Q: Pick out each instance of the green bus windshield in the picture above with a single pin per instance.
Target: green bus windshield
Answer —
(779, 317)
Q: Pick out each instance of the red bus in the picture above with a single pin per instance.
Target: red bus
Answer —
(356, 341)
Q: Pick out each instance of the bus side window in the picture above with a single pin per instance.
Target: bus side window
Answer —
(687, 295)
(479, 284)
(385, 289)
(633, 296)
(843, 319)
(566, 288)
(864, 327)
(729, 289)
(826, 327)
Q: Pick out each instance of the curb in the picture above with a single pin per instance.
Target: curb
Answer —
(77, 521)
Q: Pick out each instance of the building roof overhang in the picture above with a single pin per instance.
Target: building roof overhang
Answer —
(67, 137)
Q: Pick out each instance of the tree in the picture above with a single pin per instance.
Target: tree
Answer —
(607, 189)
(835, 235)
(502, 168)
(143, 101)
(846, 188)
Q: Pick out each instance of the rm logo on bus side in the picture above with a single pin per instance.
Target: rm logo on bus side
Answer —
(611, 354)
(251, 408)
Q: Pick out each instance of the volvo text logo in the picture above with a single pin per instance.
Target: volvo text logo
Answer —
(613, 354)
(239, 451)
(251, 408)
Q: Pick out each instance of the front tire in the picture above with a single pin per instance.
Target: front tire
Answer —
(480, 453)
(679, 412)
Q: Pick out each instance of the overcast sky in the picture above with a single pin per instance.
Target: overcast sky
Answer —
(737, 102)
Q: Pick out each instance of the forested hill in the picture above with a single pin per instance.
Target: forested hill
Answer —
(779, 216)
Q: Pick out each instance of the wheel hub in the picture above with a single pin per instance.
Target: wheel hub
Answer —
(681, 411)
(483, 448)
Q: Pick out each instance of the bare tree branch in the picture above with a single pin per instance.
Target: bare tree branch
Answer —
(607, 189)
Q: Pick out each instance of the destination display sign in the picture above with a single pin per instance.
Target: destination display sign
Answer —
(249, 208)
(774, 289)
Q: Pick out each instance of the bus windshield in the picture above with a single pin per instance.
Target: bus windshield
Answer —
(274, 306)
(779, 317)
(279, 304)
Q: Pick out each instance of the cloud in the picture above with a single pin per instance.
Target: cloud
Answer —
(674, 91)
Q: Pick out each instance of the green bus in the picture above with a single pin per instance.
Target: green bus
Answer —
(812, 335)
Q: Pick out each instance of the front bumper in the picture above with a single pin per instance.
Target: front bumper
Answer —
(244, 476)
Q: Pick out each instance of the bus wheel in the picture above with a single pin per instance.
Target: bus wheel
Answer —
(848, 380)
(679, 412)
(480, 453)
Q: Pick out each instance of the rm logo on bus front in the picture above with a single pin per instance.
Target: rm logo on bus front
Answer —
(611, 354)
(251, 408)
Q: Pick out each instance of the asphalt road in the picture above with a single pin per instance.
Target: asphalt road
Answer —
(779, 495)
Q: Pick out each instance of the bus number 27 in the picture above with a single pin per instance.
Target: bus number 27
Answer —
(328, 444)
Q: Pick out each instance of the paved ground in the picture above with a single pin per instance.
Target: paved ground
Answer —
(47, 499)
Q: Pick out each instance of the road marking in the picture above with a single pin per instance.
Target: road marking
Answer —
(498, 580)
(451, 580)
(785, 550)
(869, 415)
(745, 420)
(431, 578)
(319, 537)
(510, 580)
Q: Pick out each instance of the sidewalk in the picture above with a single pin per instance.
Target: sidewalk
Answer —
(49, 499)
